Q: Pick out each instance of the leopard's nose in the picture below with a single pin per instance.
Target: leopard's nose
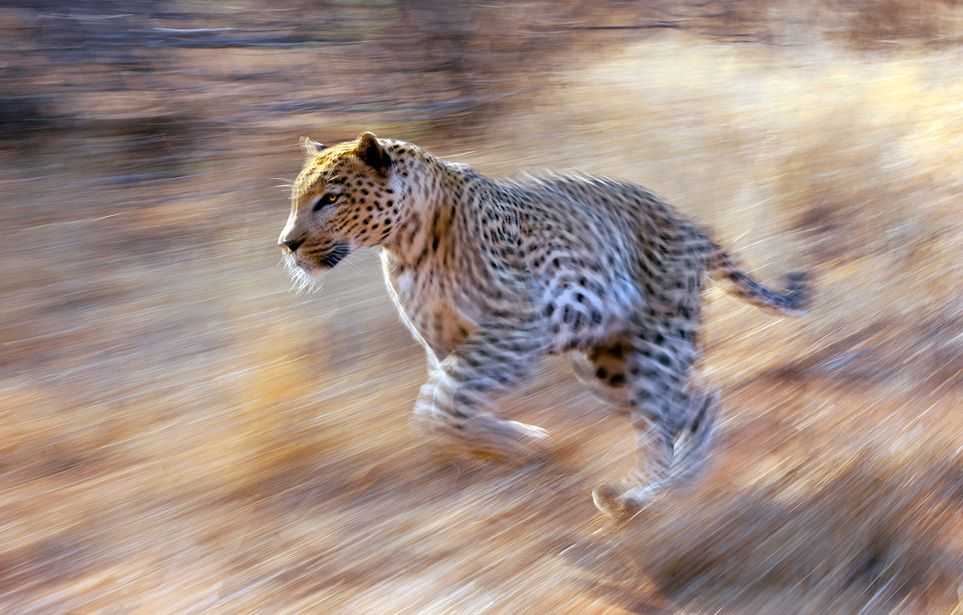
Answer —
(291, 244)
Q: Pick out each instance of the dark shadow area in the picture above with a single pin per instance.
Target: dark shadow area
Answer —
(830, 536)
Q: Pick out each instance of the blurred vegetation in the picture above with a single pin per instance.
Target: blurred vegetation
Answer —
(162, 63)
(180, 433)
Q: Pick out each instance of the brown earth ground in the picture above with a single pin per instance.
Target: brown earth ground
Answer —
(181, 433)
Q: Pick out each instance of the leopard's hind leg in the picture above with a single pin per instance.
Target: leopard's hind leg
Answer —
(674, 419)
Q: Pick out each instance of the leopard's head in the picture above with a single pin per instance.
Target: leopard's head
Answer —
(344, 198)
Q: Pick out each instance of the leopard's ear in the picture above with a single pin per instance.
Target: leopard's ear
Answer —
(310, 147)
(372, 153)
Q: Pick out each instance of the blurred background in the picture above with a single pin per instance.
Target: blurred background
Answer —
(181, 433)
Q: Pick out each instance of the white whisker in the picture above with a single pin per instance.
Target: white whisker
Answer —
(301, 281)
(285, 184)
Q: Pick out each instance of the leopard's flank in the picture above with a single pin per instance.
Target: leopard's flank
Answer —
(490, 275)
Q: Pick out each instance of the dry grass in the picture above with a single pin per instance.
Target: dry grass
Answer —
(182, 434)
(835, 534)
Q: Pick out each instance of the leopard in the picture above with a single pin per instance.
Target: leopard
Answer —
(491, 275)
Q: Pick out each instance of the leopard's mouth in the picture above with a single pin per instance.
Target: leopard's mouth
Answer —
(334, 256)
(315, 262)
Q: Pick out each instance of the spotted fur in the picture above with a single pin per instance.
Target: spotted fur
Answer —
(490, 275)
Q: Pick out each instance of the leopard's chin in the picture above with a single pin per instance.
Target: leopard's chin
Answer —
(304, 275)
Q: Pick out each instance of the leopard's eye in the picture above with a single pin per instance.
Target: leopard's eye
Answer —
(324, 201)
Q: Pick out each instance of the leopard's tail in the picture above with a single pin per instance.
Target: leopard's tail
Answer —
(793, 301)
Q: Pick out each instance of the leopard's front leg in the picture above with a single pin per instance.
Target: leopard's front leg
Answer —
(458, 400)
